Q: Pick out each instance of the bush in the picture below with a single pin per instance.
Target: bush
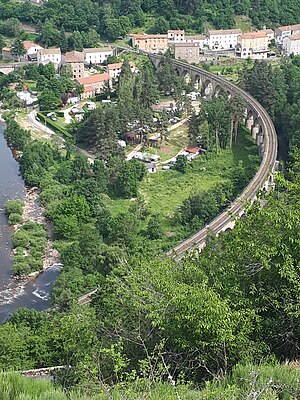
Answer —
(14, 219)
(54, 125)
(14, 207)
(33, 238)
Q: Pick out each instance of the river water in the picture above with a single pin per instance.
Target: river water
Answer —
(14, 294)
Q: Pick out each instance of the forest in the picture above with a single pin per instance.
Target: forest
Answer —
(155, 325)
(87, 19)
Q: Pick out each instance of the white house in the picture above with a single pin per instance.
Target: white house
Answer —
(291, 45)
(201, 39)
(115, 69)
(253, 44)
(31, 49)
(97, 56)
(224, 39)
(284, 31)
(50, 55)
(175, 36)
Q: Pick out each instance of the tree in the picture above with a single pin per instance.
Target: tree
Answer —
(161, 25)
(181, 164)
(18, 49)
(166, 74)
(154, 228)
(48, 100)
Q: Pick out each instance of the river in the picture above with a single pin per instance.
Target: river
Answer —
(15, 294)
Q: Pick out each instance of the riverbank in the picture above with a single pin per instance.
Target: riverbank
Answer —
(33, 211)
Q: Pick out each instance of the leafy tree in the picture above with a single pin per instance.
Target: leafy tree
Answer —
(181, 164)
(48, 100)
(17, 48)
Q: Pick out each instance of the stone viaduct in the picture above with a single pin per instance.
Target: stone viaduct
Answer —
(263, 132)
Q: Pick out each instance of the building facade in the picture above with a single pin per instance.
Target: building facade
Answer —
(76, 60)
(189, 52)
(94, 84)
(253, 45)
(150, 43)
(284, 31)
(97, 56)
(291, 45)
(115, 69)
(201, 39)
(50, 55)
(224, 39)
(176, 36)
(31, 50)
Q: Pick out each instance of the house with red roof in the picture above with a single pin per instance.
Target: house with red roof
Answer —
(31, 50)
(94, 84)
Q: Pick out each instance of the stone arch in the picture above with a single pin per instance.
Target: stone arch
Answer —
(178, 70)
(217, 90)
(260, 135)
(255, 128)
(197, 82)
(186, 76)
(207, 89)
(249, 119)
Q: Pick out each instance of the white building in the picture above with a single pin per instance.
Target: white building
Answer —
(97, 56)
(175, 36)
(270, 33)
(224, 39)
(31, 49)
(50, 55)
(201, 39)
(254, 45)
(284, 31)
(291, 45)
(115, 69)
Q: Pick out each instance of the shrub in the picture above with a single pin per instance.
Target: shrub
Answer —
(14, 219)
(14, 207)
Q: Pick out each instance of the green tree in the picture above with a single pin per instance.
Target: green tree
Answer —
(48, 100)
(17, 48)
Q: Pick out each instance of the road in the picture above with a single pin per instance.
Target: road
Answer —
(31, 118)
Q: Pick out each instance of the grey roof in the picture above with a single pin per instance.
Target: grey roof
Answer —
(98, 50)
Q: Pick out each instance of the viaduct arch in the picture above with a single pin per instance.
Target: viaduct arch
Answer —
(263, 132)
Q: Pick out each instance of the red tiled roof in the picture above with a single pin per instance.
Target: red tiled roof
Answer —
(289, 27)
(94, 79)
(192, 150)
(88, 88)
(119, 65)
(139, 36)
(254, 35)
(27, 44)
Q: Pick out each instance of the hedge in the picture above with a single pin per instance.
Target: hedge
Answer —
(54, 125)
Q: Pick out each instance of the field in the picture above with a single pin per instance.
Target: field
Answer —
(164, 191)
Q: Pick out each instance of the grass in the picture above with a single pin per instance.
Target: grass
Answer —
(175, 141)
(165, 191)
(30, 84)
(244, 23)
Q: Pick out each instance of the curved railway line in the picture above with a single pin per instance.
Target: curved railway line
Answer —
(267, 165)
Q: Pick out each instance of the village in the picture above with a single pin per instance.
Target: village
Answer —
(95, 76)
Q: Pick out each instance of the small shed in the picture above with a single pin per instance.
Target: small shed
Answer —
(151, 167)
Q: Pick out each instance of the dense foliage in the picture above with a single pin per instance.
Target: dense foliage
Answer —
(86, 19)
(269, 381)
